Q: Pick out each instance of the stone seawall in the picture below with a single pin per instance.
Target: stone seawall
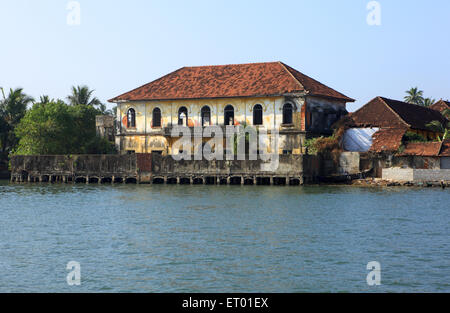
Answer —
(154, 168)
(74, 168)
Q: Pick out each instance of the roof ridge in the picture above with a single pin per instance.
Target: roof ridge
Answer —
(231, 64)
(289, 68)
(173, 72)
(285, 67)
(393, 111)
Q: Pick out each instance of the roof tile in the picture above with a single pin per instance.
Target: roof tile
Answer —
(228, 81)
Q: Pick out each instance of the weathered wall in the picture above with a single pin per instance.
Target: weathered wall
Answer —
(333, 164)
(415, 175)
(74, 165)
(432, 175)
(289, 165)
(398, 174)
(145, 167)
(380, 161)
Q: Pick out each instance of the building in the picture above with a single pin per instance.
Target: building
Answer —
(440, 106)
(381, 124)
(270, 96)
(104, 125)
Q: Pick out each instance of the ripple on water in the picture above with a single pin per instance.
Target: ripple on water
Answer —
(223, 239)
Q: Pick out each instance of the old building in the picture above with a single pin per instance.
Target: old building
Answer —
(440, 106)
(269, 96)
(104, 125)
(381, 124)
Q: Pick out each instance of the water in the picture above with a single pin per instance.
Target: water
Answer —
(131, 238)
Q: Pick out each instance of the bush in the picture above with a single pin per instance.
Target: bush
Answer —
(413, 137)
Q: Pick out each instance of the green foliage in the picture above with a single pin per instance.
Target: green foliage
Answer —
(438, 127)
(446, 113)
(414, 96)
(54, 127)
(46, 129)
(427, 102)
(312, 145)
(413, 137)
(12, 109)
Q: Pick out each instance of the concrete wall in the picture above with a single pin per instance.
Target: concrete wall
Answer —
(398, 174)
(144, 167)
(431, 175)
(380, 161)
(73, 165)
(415, 175)
(289, 165)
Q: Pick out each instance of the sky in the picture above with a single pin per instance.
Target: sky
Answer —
(121, 45)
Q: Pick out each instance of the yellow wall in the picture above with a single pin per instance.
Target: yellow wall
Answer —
(144, 138)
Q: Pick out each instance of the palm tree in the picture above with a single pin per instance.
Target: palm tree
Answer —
(438, 127)
(446, 113)
(44, 99)
(427, 102)
(82, 95)
(12, 108)
(414, 96)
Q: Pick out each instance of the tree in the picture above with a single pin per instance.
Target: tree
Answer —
(46, 129)
(83, 95)
(12, 110)
(58, 128)
(45, 99)
(446, 113)
(438, 127)
(414, 96)
(427, 102)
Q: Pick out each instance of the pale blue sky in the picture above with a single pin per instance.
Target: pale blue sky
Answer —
(121, 45)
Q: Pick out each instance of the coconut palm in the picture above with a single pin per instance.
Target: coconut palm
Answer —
(45, 99)
(12, 108)
(446, 113)
(414, 96)
(82, 95)
(427, 102)
(438, 127)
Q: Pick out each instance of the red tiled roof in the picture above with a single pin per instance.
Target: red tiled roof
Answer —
(387, 139)
(422, 148)
(229, 81)
(440, 106)
(416, 116)
(383, 112)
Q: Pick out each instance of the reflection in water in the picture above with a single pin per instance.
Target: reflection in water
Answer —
(222, 238)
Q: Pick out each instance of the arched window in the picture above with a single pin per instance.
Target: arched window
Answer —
(156, 118)
(258, 114)
(229, 115)
(287, 113)
(131, 118)
(206, 116)
(183, 116)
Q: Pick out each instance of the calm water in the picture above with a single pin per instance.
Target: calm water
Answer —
(132, 238)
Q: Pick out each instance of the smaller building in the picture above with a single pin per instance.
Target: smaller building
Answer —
(440, 106)
(387, 121)
(104, 125)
